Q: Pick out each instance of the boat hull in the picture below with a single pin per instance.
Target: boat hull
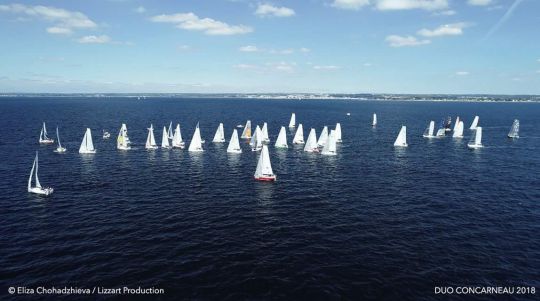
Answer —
(60, 150)
(46, 141)
(41, 191)
(238, 151)
(475, 146)
(266, 178)
(87, 152)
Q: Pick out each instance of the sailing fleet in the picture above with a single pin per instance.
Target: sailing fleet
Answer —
(325, 144)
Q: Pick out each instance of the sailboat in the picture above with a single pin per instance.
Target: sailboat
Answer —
(476, 141)
(177, 138)
(338, 132)
(514, 131)
(458, 130)
(428, 133)
(374, 122)
(246, 133)
(220, 134)
(281, 141)
(264, 130)
(311, 142)
(43, 139)
(150, 140)
(234, 144)
(448, 124)
(196, 142)
(59, 149)
(299, 136)
(292, 123)
(106, 135)
(401, 139)
(122, 141)
(256, 142)
(456, 124)
(441, 132)
(87, 146)
(165, 139)
(474, 124)
(38, 189)
(170, 134)
(264, 167)
(323, 137)
(329, 148)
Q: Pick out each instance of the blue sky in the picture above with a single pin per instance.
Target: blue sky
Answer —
(347, 46)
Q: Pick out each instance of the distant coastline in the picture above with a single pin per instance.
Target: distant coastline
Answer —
(299, 96)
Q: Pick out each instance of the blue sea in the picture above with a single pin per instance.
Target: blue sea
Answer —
(374, 222)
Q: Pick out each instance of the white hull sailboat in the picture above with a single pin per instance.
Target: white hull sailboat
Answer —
(281, 141)
(323, 137)
(264, 167)
(59, 149)
(165, 139)
(474, 124)
(299, 136)
(514, 130)
(106, 135)
(338, 132)
(265, 137)
(374, 122)
(122, 141)
(476, 141)
(428, 133)
(43, 138)
(256, 142)
(38, 189)
(311, 142)
(150, 139)
(177, 141)
(87, 145)
(441, 132)
(458, 130)
(196, 142)
(292, 122)
(234, 144)
(246, 133)
(219, 137)
(329, 148)
(401, 139)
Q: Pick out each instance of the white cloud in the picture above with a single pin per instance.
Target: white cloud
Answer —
(246, 66)
(462, 73)
(249, 48)
(281, 51)
(443, 30)
(282, 67)
(350, 4)
(190, 21)
(412, 4)
(304, 49)
(270, 10)
(102, 39)
(65, 21)
(183, 47)
(401, 41)
(479, 2)
(140, 10)
(449, 12)
(327, 67)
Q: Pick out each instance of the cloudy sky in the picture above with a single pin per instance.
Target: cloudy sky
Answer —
(350, 46)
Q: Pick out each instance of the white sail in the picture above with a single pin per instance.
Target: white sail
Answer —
(264, 130)
(281, 141)
(456, 124)
(59, 149)
(150, 139)
(374, 123)
(165, 139)
(43, 138)
(441, 132)
(299, 136)
(474, 124)
(338, 132)
(122, 141)
(253, 140)
(177, 137)
(329, 148)
(514, 130)
(458, 130)
(257, 140)
(323, 137)
(220, 134)
(38, 189)
(401, 139)
(234, 144)
(31, 174)
(196, 142)
(311, 142)
(428, 133)
(292, 123)
(246, 133)
(264, 170)
(170, 131)
(87, 145)
(476, 141)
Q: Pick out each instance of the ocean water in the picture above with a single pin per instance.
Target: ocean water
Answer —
(373, 222)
